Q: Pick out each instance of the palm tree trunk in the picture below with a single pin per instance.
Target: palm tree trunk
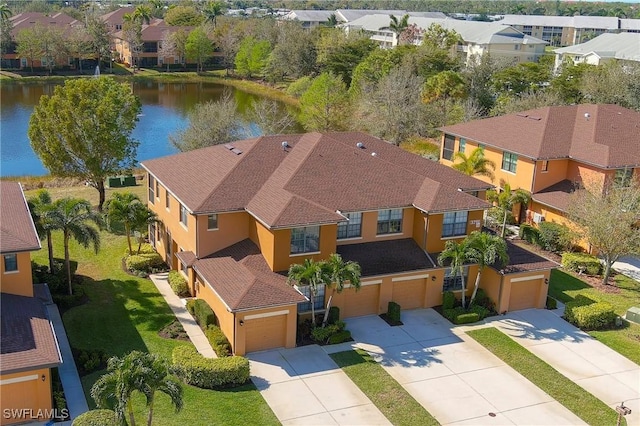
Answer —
(464, 289)
(101, 192)
(475, 288)
(313, 309)
(326, 313)
(50, 248)
(150, 416)
(127, 230)
(132, 419)
(67, 263)
(504, 223)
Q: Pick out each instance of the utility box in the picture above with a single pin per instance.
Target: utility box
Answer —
(633, 314)
(114, 182)
(129, 181)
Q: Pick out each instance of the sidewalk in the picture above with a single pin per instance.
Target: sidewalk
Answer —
(629, 266)
(192, 328)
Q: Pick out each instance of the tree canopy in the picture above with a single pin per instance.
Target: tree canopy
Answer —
(325, 104)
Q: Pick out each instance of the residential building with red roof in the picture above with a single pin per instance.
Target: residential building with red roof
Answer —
(235, 217)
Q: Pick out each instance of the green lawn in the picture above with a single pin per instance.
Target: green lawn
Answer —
(388, 395)
(125, 313)
(573, 397)
(626, 340)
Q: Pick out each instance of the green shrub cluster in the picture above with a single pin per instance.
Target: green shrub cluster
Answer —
(178, 284)
(579, 300)
(529, 233)
(448, 300)
(588, 314)
(66, 301)
(482, 299)
(209, 373)
(479, 310)
(334, 315)
(581, 263)
(96, 418)
(218, 340)
(393, 312)
(145, 263)
(203, 313)
(466, 318)
(551, 303)
(555, 237)
(323, 334)
(144, 249)
(191, 306)
(298, 87)
(90, 360)
(339, 337)
(460, 315)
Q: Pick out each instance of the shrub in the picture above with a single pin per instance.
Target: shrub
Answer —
(582, 262)
(322, 334)
(218, 340)
(90, 360)
(144, 249)
(452, 313)
(594, 316)
(96, 418)
(339, 337)
(178, 284)
(393, 312)
(467, 318)
(191, 306)
(555, 237)
(481, 311)
(204, 314)
(551, 303)
(483, 299)
(66, 301)
(448, 300)
(334, 315)
(144, 262)
(529, 233)
(578, 301)
(209, 373)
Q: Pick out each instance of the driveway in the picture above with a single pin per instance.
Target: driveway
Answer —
(456, 379)
(597, 368)
(303, 386)
(629, 266)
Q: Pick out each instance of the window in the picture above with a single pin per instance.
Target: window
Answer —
(351, 228)
(168, 244)
(183, 268)
(183, 215)
(545, 166)
(167, 200)
(389, 221)
(452, 283)
(454, 224)
(509, 161)
(318, 299)
(463, 145)
(449, 144)
(623, 176)
(152, 184)
(212, 222)
(305, 240)
(10, 263)
(152, 234)
(157, 189)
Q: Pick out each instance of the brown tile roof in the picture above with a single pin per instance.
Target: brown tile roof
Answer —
(316, 175)
(188, 257)
(607, 136)
(241, 277)
(30, 19)
(17, 232)
(155, 30)
(522, 260)
(556, 195)
(117, 16)
(27, 341)
(386, 257)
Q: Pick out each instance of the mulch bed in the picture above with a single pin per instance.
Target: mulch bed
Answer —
(174, 331)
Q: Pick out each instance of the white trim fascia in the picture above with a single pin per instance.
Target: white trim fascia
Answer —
(266, 315)
(409, 278)
(21, 379)
(531, 278)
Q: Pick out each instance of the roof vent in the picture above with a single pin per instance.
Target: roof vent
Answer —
(373, 154)
(360, 145)
(229, 146)
(587, 116)
(285, 145)
(521, 115)
(531, 117)
(236, 151)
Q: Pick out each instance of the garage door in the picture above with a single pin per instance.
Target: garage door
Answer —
(265, 333)
(362, 302)
(409, 294)
(524, 294)
(21, 395)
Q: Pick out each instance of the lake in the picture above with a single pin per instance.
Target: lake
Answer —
(165, 108)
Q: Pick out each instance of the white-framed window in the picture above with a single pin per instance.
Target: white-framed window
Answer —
(351, 228)
(10, 262)
(157, 189)
(183, 215)
(212, 222)
(152, 184)
(452, 283)
(167, 200)
(389, 221)
(454, 224)
(449, 145)
(462, 145)
(305, 239)
(509, 161)
(545, 166)
(318, 300)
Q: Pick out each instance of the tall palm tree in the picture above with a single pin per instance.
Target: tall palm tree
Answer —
(311, 274)
(506, 200)
(157, 379)
(142, 14)
(158, 7)
(124, 208)
(72, 216)
(40, 206)
(142, 218)
(456, 254)
(339, 273)
(485, 249)
(475, 164)
(398, 25)
(212, 10)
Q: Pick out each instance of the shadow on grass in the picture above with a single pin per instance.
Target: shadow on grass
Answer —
(561, 282)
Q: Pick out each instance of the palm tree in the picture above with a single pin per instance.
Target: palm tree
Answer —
(485, 249)
(212, 10)
(40, 206)
(71, 216)
(474, 164)
(142, 14)
(124, 208)
(398, 25)
(457, 255)
(157, 379)
(142, 218)
(5, 12)
(506, 200)
(332, 21)
(158, 7)
(311, 274)
(339, 273)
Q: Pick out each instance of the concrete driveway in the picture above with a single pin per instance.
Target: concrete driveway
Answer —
(452, 376)
(629, 266)
(599, 369)
(303, 386)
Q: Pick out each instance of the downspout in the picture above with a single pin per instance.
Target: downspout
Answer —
(426, 227)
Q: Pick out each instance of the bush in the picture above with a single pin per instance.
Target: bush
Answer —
(448, 300)
(66, 301)
(481, 311)
(529, 233)
(90, 360)
(581, 263)
(467, 318)
(551, 303)
(144, 249)
(452, 313)
(96, 418)
(482, 299)
(204, 314)
(339, 337)
(393, 312)
(218, 340)
(178, 284)
(555, 237)
(578, 301)
(209, 373)
(334, 315)
(594, 316)
(145, 262)
(191, 306)
(323, 334)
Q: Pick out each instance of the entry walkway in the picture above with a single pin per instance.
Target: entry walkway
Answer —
(600, 370)
(455, 378)
(303, 386)
(195, 333)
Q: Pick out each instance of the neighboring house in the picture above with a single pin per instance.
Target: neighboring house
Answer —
(115, 19)
(605, 47)
(478, 38)
(550, 151)
(28, 342)
(313, 18)
(309, 18)
(234, 217)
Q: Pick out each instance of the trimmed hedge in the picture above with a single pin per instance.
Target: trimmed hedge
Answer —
(393, 312)
(578, 301)
(334, 315)
(452, 313)
(145, 262)
(448, 300)
(96, 418)
(191, 306)
(203, 313)
(209, 373)
(467, 318)
(551, 303)
(529, 233)
(460, 315)
(178, 284)
(339, 337)
(218, 340)
(594, 316)
(323, 334)
(479, 310)
(582, 262)
(145, 248)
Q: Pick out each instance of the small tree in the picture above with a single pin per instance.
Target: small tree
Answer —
(506, 200)
(485, 249)
(339, 273)
(123, 208)
(398, 25)
(252, 56)
(310, 274)
(325, 105)
(474, 164)
(198, 47)
(456, 254)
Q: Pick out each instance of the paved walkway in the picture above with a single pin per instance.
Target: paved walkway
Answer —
(304, 386)
(597, 368)
(455, 378)
(629, 266)
(189, 324)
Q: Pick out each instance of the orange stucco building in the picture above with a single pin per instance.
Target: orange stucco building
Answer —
(234, 217)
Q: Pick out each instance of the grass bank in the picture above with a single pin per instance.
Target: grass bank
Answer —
(397, 405)
(625, 340)
(573, 397)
